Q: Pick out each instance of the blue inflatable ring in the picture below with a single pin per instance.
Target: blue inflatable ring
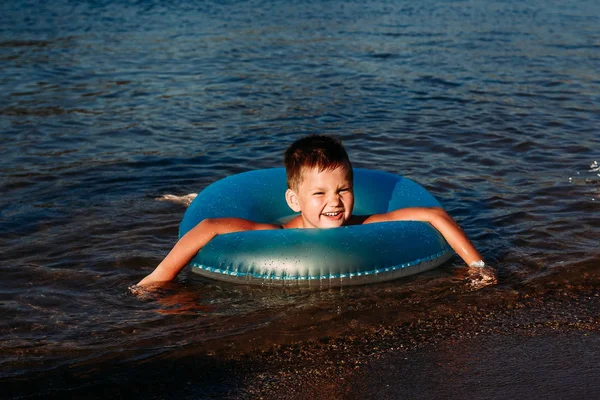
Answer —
(349, 255)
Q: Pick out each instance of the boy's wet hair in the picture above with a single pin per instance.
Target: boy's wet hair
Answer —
(314, 151)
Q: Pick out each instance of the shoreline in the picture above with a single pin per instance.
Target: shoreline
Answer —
(493, 353)
(470, 346)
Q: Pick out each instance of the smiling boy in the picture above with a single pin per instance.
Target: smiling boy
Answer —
(320, 188)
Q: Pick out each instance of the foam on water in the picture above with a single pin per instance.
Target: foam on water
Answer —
(185, 199)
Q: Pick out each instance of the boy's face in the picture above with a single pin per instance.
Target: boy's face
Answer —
(325, 198)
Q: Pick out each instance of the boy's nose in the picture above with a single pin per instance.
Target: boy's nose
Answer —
(334, 198)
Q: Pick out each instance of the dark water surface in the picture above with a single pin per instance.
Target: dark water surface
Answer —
(494, 106)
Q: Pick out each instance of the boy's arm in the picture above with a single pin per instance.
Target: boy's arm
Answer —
(441, 221)
(187, 247)
(479, 275)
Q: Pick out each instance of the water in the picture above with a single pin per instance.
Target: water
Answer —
(108, 106)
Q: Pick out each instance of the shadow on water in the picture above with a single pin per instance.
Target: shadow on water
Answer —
(159, 377)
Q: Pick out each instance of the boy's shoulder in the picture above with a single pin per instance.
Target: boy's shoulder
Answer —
(294, 223)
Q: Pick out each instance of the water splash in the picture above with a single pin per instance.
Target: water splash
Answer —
(592, 175)
(186, 200)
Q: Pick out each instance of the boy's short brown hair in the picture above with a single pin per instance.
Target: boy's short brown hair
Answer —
(314, 151)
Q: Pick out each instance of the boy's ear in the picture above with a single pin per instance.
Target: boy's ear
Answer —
(292, 200)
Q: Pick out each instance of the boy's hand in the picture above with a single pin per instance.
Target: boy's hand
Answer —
(480, 277)
(143, 292)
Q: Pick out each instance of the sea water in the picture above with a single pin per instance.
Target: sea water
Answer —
(109, 107)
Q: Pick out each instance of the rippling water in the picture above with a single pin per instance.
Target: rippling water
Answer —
(107, 106)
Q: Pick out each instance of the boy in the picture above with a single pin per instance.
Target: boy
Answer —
(320, 178)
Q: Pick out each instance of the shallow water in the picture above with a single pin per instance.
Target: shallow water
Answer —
(108, 106)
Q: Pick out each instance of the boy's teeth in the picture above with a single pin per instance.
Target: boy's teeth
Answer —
(332, 214)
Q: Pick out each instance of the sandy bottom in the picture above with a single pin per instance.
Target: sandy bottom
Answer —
(533, 348)
(540, 345)
(547, 365)
(504, 367)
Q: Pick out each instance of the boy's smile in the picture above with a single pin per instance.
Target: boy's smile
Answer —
(324, 198)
